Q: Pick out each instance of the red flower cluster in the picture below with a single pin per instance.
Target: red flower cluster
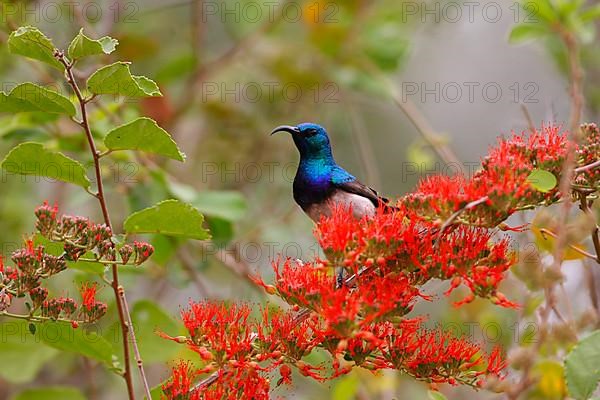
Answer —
(402, 252)
(435, 355)
(502, 185)
(344, 309)
(224, 338)
(179, 387)
(245, 351)
(91, 309)
(589, 153)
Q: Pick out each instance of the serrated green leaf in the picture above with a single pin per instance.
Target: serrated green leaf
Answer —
(22, 357)
(30, 42)
(582, 367)
(226, 204)
(83, 46)
(143, 134)
(51, 393)
(433, 395)
(64, 337)
(117, 79)
(542, 180)
(148, 318)
(28, 97)
(169, 217)
(528, 31)
(33, 159)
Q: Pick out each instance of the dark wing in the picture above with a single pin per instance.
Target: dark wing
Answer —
(343, 180)
(360, 189)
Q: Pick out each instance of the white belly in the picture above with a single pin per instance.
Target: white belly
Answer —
(360, 205)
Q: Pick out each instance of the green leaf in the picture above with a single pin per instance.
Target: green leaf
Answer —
(83, 46)
(227, 204)
(51, 393)
(30, 97)
(30, 42)
(542, 180)
(169, 217)
(22, 356)
(433, 395)
(148, 318)
(345, 388)
(143, 134)
(156, 392)
(33, 159)
(528, 31)
(64, 337)
(117, 79)
(221, 230)
(582, 367)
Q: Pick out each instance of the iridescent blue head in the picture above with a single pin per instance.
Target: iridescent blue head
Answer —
(310, 139)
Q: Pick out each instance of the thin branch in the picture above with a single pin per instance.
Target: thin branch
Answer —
(39, 318)
(585, 207)
(104, 262)
(415, 116)
(136, 350)
(364, 147)
(587, 167)
(122, 309)
(528, 118)
(457, 213)
(548, 232)
(590, 279)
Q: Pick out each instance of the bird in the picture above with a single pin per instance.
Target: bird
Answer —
(320, 182)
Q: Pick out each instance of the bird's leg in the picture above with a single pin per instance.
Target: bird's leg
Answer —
(339, 281)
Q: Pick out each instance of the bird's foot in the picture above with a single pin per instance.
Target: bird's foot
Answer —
(339, 281)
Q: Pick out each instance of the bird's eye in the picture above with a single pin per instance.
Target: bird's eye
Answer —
(311, 132)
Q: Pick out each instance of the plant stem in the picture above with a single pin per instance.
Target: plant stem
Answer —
(136, 351)
(122, 309)
(548, 232)
(38, 318)
(587, 167)
(585, 207)
(457, 213)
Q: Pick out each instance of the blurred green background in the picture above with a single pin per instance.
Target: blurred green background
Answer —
(230, 71)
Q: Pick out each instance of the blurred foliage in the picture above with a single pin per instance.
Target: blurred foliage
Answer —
(226, 82)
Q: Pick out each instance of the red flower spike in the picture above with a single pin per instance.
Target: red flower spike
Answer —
(335, 233)
(225, 331)
(286, 375)
(179, 386)
(88, 294)
(281, 333)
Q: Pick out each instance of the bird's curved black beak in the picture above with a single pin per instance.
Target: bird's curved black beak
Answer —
(286, 128)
